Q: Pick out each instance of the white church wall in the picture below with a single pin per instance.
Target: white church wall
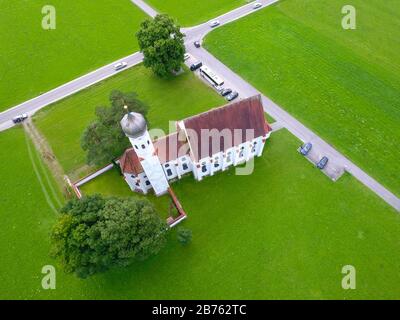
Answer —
(170, 170)
(240, 154)
(145, 184)
(216, 163)
(228, 158)
(130, 180)
(203, 168)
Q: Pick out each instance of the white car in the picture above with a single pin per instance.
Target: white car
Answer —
(214, 23)
(20, 118)
(120, 65)
(257, 5)
(186, 56)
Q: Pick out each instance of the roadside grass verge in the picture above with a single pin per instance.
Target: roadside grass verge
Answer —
(87, 36)
(342, 84)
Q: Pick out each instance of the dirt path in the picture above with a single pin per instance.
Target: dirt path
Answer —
(46, 153)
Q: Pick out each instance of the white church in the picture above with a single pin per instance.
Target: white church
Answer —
(202, 145)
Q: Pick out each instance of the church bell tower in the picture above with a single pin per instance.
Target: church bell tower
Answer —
(135, 128)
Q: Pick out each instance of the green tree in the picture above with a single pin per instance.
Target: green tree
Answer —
(161, 42)
(184, 235)
(94, 234)
(103, 140)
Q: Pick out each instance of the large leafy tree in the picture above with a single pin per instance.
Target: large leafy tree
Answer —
(94, 234)
(103, 139)
(161, 42)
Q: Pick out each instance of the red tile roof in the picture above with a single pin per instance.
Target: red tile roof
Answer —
(235, 123)
(171, 147)
(130, 163)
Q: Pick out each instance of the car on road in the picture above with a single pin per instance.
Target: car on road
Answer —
(225, 92)
(196, 65)
(322, 163)
(257, 5)
(197, 44)
(20, 118)
(120, 66)
(231, 96)
(305, 148)
(186, 56)
(214, 23)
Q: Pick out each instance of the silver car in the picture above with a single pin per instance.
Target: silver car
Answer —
(214, 23)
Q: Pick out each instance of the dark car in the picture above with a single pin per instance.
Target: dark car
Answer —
(322, 163)
(197, 44)
(225, 92)
(196, 65)
(20, 118)
(305, 148)
(233, 95)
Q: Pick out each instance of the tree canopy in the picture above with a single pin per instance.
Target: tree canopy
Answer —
(161, 42)
(103, 139)
(94, 234)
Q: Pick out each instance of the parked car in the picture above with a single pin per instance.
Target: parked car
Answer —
(186, 56)
(197, 44)
(120, 66)
(231, 96)
(305, 148)
(225, 92)
(257, 5)
(322, 163)
(196, 65)
(214, 23)
(20, 118)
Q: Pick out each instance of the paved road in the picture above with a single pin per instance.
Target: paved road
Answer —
(231, 79)
(145, 7)
(31, 106)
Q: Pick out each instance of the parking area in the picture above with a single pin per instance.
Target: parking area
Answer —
(227, 84)
(333, 169)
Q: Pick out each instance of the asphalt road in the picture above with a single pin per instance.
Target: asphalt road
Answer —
(31, 106)
(231, 80)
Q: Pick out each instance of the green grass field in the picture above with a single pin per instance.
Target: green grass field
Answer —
(169, 100)
(190, 13)
(343, 84)
(87, 36)
(283, 232)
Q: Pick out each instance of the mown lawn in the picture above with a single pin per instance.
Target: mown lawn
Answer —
(112, 184)
(283, 232)
(343, 84)
(169, 100)
(190, 13)
(88, 35)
